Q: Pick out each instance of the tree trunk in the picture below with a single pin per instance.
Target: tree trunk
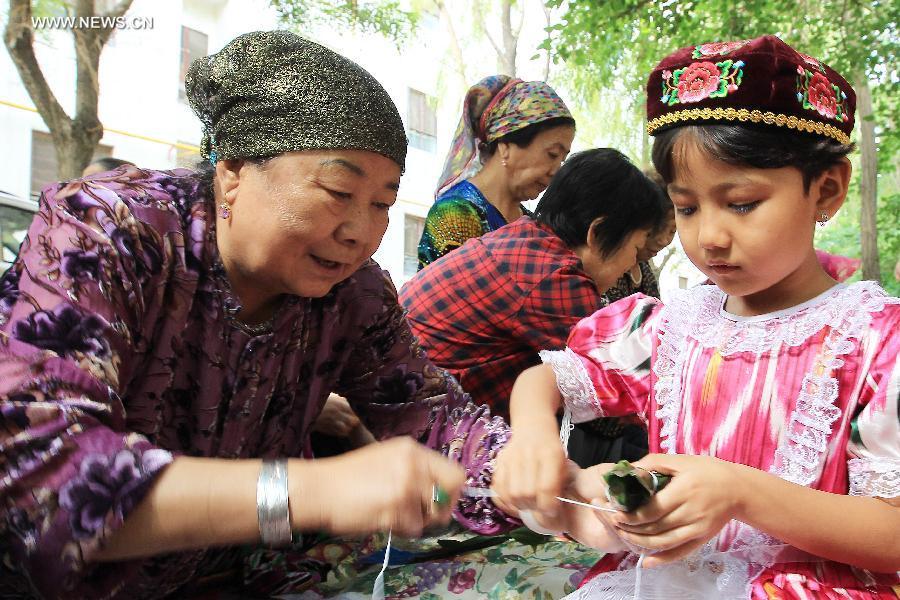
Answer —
(548, 21)
(506, 57)
(645, 140)
(868, 177)
(454, 43)
(74, 140)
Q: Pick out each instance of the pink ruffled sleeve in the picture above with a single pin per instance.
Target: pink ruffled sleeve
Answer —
(604, 370)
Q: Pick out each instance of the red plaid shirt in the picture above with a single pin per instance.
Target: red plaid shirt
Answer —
(484, 310)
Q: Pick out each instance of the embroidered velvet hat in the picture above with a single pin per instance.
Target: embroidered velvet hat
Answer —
(762, 81)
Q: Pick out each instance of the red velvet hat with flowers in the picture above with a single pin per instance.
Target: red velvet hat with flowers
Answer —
(762, 81)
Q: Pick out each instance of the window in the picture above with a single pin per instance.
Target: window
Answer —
(422, 122)
(194, 45)
(186, 158)
(15, 218)
(44, 168)
(413, 227)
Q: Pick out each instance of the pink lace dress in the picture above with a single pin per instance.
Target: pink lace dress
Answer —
(809, 394)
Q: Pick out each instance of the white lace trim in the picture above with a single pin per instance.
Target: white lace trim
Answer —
(705, 575)
(574, 384)
(877, 477)
(714, 328)
(697, 314)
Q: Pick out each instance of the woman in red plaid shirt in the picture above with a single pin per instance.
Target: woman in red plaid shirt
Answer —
(485, 310)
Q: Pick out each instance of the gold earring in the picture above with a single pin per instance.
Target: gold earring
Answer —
(503, 162)
(225, 210)
(823, 218)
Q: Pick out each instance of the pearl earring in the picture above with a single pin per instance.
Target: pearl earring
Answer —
(225, 211)
(503, 162)
(823, 218)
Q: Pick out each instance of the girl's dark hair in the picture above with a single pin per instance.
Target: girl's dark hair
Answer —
(668, 207)
(523, 137)
(755, 146)
(600, 183)
(108, 163)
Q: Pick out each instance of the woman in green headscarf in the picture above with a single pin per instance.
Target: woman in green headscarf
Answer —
(512, 138)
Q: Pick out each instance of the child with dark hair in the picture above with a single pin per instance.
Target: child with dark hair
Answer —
(771, 397)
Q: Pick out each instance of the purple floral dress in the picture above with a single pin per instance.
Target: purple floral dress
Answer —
(118, 353)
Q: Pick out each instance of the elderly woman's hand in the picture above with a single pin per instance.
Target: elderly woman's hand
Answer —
(336, 418)
(386, 485)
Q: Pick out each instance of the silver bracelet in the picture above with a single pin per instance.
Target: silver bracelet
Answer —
(272, 508)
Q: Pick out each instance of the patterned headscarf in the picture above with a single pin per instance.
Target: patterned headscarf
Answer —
(493, 107)
(271, 92)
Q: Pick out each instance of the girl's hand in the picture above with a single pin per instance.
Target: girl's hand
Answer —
(704, 494)
(582, 523)
(532, 469)
(385, 485)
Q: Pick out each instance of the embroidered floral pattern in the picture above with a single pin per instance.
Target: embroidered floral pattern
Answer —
(812, 61)
(65, 330)
(399, 386)
(106, 483)
(717, 48)
(701, 80)
(815, 92)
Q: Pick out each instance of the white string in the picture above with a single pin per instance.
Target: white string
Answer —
(586, 505)
(478, 492)
(565, 429)
(378, 588)
(639, 570)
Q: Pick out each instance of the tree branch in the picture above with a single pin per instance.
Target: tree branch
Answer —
(115, 12)
(88, 46)
(521, 22)
(670, 252)
(479, 14)
(454, 41)
(507, 58)
(19, 40)
(548, 21)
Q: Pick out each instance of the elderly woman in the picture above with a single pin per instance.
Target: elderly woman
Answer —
(511, 140)
(169, 338)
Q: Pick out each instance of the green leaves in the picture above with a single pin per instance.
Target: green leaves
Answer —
(631, 487)
(384, 17)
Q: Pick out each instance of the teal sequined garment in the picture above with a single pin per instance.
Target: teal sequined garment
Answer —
(459, 214)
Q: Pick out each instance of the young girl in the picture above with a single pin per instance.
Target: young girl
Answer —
(771, 397)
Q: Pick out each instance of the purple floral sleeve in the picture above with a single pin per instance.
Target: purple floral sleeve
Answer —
(396, 390)
(76, 309)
